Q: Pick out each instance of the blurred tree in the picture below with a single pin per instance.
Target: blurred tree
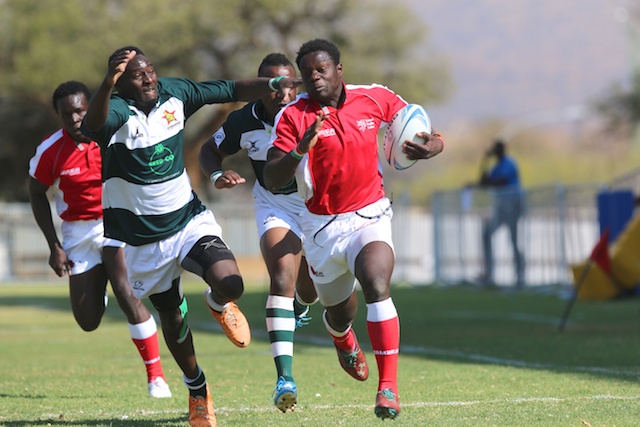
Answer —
(46, 42)
(22, 124)
(620, 110)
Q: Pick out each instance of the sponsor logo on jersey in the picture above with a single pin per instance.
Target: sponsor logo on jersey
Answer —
(327, 132)
(138, 285)
(161, 160)
(70, 172)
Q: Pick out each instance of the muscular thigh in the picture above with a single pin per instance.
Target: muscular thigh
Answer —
(373, 269)
(280, 243)
(88, 287)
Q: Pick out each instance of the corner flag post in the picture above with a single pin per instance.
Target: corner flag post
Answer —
(599, 255)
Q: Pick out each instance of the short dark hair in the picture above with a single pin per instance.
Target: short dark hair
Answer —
(122, 49)
(273, 60)
(71, 87)
(317, 45)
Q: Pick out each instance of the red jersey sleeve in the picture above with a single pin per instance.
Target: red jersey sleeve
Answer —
(285, 133)
(389, 101)
(42, 163)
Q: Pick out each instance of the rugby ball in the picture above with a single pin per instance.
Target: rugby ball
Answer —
(404, 125)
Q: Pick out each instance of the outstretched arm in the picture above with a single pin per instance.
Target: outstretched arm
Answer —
(250, 89)
(98, 110)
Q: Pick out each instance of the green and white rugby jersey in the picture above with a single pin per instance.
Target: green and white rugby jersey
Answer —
(147, 195)
(247, 129)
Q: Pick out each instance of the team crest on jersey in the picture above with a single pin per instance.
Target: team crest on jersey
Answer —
(169, 116)
(365, 124)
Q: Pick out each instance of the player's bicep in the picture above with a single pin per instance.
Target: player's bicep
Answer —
(36, 187)
(275, 154)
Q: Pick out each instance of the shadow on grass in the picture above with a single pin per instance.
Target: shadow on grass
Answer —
(458, 324)
(104, 422)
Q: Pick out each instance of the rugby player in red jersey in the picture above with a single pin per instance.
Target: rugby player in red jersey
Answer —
(328, 140)
(70, 164)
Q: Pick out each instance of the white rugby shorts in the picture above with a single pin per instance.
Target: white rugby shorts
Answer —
(154, 266)
(333, 242)
(278, 211)
(83, 242)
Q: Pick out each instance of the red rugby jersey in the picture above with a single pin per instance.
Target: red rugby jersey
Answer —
(344, 165)
(74, 171)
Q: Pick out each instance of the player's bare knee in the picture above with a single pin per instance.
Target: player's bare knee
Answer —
(89, 324)
(338, 319)
(282, 284)
(376, 291)
(88, 317)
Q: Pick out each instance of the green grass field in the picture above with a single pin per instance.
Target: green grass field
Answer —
(469, 357)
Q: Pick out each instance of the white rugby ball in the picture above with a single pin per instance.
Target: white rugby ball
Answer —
(404, 125)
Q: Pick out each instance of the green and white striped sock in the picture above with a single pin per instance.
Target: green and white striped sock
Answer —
(280, 324)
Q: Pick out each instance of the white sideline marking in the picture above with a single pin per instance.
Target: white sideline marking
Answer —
(449, 403)
(509, 362)
(426, 351)
(301, 408)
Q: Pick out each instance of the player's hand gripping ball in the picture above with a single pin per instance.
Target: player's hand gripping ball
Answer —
(405, 124)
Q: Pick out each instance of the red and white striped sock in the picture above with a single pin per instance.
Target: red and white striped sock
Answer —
(383, 326)
(145, 336)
